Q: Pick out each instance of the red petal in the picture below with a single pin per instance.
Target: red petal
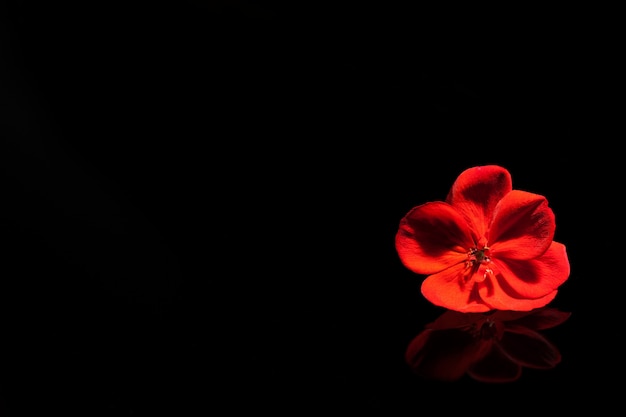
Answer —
(536, 277)
(477, 191)
(499, 299)
(523, 226)
(433, 237)
(447, 289)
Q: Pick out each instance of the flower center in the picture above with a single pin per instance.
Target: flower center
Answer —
(477, 265)
(476, 255)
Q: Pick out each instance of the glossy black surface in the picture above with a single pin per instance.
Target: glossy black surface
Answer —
(200, 200)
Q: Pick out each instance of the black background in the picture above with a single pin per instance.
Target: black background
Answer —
(200, 199)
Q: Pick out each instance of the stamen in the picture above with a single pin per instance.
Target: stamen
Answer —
(477, 258)
(488, 274)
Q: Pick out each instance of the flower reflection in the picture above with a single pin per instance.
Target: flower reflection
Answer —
(489, 347)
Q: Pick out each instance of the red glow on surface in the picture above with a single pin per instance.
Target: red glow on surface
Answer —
(489, 347)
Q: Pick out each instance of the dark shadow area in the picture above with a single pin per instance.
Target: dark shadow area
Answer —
(199, 201)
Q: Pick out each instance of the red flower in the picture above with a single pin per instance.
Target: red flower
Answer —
(487, 247)
(489, 347)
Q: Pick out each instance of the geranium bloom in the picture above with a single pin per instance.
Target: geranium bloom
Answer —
(489, 347)
(486, 247)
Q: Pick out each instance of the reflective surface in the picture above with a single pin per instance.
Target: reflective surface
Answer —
(490, 347)
(199, 209)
